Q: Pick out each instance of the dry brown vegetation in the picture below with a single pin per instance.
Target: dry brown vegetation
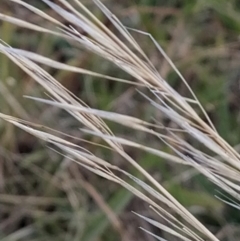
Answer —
(113, 140)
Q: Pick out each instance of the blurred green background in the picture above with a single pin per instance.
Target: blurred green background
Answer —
(44, 196)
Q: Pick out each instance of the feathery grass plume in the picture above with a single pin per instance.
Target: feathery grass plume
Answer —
(127, 55)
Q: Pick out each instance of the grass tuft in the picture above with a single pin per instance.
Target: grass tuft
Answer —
(193, 141)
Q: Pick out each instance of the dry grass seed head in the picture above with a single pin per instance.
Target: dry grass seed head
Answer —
(101, 41)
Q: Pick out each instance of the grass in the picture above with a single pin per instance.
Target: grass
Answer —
(74, 215)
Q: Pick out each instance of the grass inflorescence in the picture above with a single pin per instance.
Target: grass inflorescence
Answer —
(114, 144)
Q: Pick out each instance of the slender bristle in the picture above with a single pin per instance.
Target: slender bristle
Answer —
(220, 163)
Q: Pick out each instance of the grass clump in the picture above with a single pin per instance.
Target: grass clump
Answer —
(191, 142)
